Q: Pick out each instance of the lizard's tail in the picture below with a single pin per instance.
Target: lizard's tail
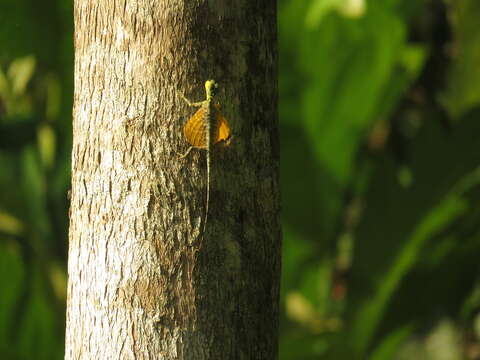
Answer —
(207, 200)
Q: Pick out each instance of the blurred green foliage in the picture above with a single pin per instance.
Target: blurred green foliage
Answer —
(379, 111)
(380, 132)
(36, 63)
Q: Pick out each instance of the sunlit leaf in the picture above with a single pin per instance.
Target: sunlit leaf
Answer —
(10, 224)
(20, 72)
(46, 144)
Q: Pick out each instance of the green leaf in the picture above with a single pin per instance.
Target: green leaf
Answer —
(319, 8)
(390, 343)
(344, 95)
(370, 314)
(20, 72)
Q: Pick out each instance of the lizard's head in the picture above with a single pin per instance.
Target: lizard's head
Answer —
(211, 88)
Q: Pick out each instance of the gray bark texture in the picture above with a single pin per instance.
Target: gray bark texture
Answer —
(143, 282)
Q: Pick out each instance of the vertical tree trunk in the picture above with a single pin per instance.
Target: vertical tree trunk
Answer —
(143, 282)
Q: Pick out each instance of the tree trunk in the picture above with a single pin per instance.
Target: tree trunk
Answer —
(144, 283)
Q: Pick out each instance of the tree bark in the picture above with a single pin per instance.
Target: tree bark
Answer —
(143, 282)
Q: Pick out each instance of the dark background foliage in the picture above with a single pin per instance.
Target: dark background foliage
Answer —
(380, 130)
